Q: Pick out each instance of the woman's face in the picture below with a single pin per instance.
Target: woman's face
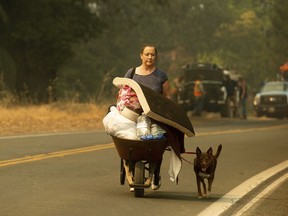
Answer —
(148, 56)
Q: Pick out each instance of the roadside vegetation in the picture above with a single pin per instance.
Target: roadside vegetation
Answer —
(23, 117)
(55, 117)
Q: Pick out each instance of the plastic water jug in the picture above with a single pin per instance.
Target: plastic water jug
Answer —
(143, 126)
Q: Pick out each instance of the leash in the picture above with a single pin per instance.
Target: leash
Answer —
(186, 160)
(188, 153)
(169, 149)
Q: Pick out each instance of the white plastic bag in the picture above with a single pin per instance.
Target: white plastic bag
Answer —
(117, 125)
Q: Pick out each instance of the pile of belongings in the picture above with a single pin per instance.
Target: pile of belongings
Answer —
(121, 120)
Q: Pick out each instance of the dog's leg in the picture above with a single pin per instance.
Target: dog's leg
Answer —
(210, 181)
(204, 187)
(199, 186)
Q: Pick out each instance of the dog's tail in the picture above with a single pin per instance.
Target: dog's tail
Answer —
(218, 151)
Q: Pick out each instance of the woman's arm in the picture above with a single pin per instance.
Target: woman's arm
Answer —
(166, 89)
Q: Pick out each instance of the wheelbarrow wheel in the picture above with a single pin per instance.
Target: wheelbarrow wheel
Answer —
(139, 178)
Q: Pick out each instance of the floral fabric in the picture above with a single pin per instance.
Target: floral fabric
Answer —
(127, 98)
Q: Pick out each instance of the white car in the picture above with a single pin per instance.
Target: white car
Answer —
(272, 100)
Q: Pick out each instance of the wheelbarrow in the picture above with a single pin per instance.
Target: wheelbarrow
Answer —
(139, 153)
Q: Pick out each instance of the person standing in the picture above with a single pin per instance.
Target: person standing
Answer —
(152, 77)
(243, 94)
(177, 84)
(231, 101)
(199, 96)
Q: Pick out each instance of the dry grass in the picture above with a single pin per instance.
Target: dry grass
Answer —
(58, 117)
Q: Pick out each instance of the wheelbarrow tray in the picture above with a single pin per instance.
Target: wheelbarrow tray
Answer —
(150, 150)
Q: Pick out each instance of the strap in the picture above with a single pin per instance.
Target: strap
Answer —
(132, 73)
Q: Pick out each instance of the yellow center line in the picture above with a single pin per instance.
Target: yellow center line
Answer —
(54, 154)
(63, 153)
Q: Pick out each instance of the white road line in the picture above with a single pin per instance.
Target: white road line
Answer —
(267, 190)
(237, 193)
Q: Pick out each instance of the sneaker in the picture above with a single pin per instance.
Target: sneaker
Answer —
(156, 183)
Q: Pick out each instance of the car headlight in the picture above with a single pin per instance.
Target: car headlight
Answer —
(256, 101)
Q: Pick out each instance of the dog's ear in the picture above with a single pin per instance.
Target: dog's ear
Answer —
(210, 151)
(198, 151)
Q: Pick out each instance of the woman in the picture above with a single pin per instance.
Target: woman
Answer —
(150, 76)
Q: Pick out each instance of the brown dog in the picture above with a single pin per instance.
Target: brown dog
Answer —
(204, 167)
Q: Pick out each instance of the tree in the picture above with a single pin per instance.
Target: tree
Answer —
(38, 36)
(180, 29)
(48, 44)
(279, 32)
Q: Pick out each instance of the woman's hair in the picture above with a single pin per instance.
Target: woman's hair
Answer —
(149, 45)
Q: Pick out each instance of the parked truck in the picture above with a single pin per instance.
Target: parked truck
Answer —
(212, 79)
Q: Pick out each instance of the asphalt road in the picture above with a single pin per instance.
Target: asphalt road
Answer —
(78, 173)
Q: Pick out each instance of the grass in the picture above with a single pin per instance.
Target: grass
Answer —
(57, 117)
